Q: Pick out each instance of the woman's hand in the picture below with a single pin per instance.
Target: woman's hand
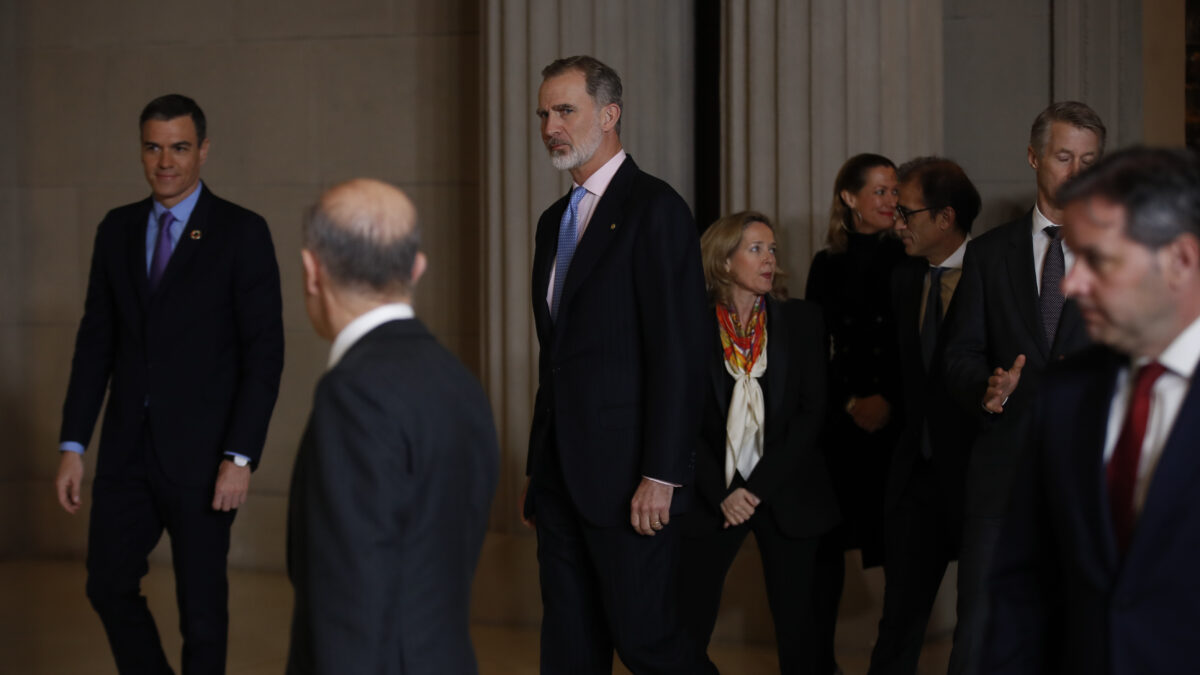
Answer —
(871, 413)
(739, 506)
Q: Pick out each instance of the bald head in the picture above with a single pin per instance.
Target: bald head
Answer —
(364, 233)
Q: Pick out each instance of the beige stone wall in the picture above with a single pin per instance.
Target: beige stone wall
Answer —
(298, 95)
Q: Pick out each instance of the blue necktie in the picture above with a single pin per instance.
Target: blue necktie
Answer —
(162, 248)
(568, 232)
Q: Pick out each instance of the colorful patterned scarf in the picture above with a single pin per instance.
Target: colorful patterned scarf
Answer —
(745, 361)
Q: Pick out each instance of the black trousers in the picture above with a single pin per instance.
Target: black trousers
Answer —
(980, 537)
(788, 572)
(604, 588)
(921, 539)
(130, 510)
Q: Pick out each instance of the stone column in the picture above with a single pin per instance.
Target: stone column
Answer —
(808, 83)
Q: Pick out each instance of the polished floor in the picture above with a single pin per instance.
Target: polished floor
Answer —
(47, 628)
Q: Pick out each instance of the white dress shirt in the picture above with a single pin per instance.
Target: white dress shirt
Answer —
(595, 185)
(365, 323)
(1041, 246)
(1166, 399)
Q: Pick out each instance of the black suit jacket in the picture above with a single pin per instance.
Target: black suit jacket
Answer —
(620, 372)
(925, 401)
(1063, 601)
(791, 476)
(389, 504)
(198, 359)
(995, 317)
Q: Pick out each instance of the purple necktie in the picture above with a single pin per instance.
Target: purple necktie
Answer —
(162, 248)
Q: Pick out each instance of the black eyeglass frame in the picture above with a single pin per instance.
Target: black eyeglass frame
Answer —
(903, 214)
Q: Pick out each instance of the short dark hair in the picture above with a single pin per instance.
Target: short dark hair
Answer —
(1077, 114)
(1158, 188)
(603, 83)
(944, 184)
(851, 177)
(169, 107)
(361, 254)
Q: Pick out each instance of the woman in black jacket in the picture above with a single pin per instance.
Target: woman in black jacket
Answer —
(758, 468)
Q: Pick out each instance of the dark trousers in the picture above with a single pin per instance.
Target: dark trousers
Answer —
(920, 541)
(130, 510)
(829, 576)
(604, 588)
(788, 572)
(980, 536)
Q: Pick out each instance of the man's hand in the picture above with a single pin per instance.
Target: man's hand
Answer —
(871, 413)
(527, 522)
(232, 483)
(739, 506)
(650, 509)
(70, 477)
(1001, 385)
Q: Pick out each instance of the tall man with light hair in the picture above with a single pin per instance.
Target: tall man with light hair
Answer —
(1010, 322)
(394, 479)
(619, 307)
(1096, 568)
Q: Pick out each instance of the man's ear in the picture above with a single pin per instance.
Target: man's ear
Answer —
(312, 272)
(609, 116)
(1180, 261)
(419, 264)
(947, 217)
(1032, 157)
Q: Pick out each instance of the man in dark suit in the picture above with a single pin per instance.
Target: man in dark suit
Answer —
(923, 516)
(1096, 568)
(183, 326)
(619, 307)
(395, 475)
(1013, 322)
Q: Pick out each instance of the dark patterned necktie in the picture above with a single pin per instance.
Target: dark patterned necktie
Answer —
(933, 315)
(1053, 269)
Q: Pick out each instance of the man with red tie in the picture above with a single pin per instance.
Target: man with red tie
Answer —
(1096, 568)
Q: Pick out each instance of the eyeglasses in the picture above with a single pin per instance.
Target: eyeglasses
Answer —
(903, 214)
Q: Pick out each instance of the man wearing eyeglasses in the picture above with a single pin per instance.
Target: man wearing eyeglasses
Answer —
(1013, 322)
(923, 517)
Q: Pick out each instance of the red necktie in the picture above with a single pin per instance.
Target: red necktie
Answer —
(1123, 465)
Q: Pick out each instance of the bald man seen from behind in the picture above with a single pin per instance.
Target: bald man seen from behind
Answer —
(398, 464)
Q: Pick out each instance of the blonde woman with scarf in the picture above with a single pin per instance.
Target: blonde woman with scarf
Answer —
(757, 466)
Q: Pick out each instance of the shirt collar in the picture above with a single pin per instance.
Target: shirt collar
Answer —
(183, 210)
(1181, 355)
(365, 323)
(598, 182)
(955, 261)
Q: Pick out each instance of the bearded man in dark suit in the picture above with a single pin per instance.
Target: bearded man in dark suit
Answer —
(183, 326)
(620, 311)
(395, 475)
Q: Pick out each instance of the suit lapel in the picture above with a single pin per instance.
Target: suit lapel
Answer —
(1089, 439)
(1071, 333)
(135, 249)
(545, 247)
(716, 369)
(604, 225)
(1023, 281)
(190, 241)
(777, 357)
(1175, 478)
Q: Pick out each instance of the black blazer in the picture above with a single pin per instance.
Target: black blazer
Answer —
(925, 400)
(995, 317)
(389, 503)
(198, 359)
(1062, 600)
(791, 476)
(620, 372)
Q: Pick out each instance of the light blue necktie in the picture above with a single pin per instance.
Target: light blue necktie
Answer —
(568, 232)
